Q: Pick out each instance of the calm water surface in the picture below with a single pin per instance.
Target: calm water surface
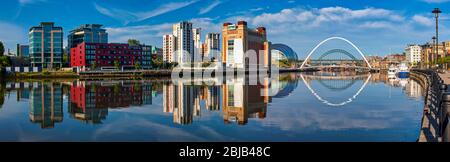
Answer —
(294, 107)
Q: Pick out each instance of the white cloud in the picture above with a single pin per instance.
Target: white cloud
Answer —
(377, 24)
(129, 16)
(375, 30)
(246, 12)
(163, 9)
(426, 21)
(317, 17)
(210, 7)
(303, 28)
(121, 15)
(25, 2)
(436, 1)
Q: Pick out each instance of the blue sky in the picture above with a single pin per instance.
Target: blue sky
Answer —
(376, 26)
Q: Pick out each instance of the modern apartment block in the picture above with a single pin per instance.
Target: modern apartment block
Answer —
(237, 39)
(184, 44)
(196, 34)
(88, 56)
(413, 54)
(46, 45)
(89, 33)
(169, 47)
(212, 46)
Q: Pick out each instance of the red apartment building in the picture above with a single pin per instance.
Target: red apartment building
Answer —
(89, 56)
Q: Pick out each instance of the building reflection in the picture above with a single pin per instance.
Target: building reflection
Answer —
(185, 101)
(234, 100)
(46, 104)
(414, 90)
(238, 100)
(242, 101)
(411, 87)
(90, 101)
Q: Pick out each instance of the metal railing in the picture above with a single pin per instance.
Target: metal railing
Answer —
(437, 103)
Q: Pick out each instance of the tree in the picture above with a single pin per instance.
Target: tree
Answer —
(94, 65)
(66, 60)
(2, 48)
(5, 61)
(117, 64)
(2, 92)
(137, 65)
(133, 42)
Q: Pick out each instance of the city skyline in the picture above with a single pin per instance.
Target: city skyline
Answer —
(359, 21)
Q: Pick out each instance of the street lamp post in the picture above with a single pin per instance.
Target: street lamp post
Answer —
(436, 13)
(433, 53)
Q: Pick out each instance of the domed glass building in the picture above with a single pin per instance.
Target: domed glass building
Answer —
(282, 52)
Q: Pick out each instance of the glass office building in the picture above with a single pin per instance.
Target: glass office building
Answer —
(89, 33)
(46, 45)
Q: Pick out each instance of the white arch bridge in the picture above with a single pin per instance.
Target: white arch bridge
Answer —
(345, 59)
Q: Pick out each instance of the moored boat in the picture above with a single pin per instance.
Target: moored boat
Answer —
(403, 71)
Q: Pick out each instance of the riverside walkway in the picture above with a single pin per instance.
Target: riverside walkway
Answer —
(445, 77)
(435, 126)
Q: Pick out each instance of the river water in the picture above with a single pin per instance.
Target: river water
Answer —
(293, 107)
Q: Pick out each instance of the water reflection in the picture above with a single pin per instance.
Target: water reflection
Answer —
(46, 104)
(90, 101)
(336, 82)
(45, 101)
(184, 101)
(237, 100)
(287, 103)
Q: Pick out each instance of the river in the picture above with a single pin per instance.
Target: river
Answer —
(316, 107)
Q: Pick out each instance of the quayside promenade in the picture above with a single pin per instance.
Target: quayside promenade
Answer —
(435, 125)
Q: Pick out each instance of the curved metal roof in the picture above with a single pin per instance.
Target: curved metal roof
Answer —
(286, 50)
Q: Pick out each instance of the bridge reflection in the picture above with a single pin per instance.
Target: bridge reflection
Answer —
(336, 83)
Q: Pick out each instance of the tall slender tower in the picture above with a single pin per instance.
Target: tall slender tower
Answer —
(212, 42)
(184, 41)
(169, 46)
(196, 33)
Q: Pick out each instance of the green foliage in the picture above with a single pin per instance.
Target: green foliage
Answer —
(444, 60)
(94, 65)
(2, 92)
(2, 49)
(116, 88)
(137, 65)
(45, 72)
(157, 63)
(66, 57)
(284, 63)
(117, 64)
(133, 42)
(206, 64)
(5, 61)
